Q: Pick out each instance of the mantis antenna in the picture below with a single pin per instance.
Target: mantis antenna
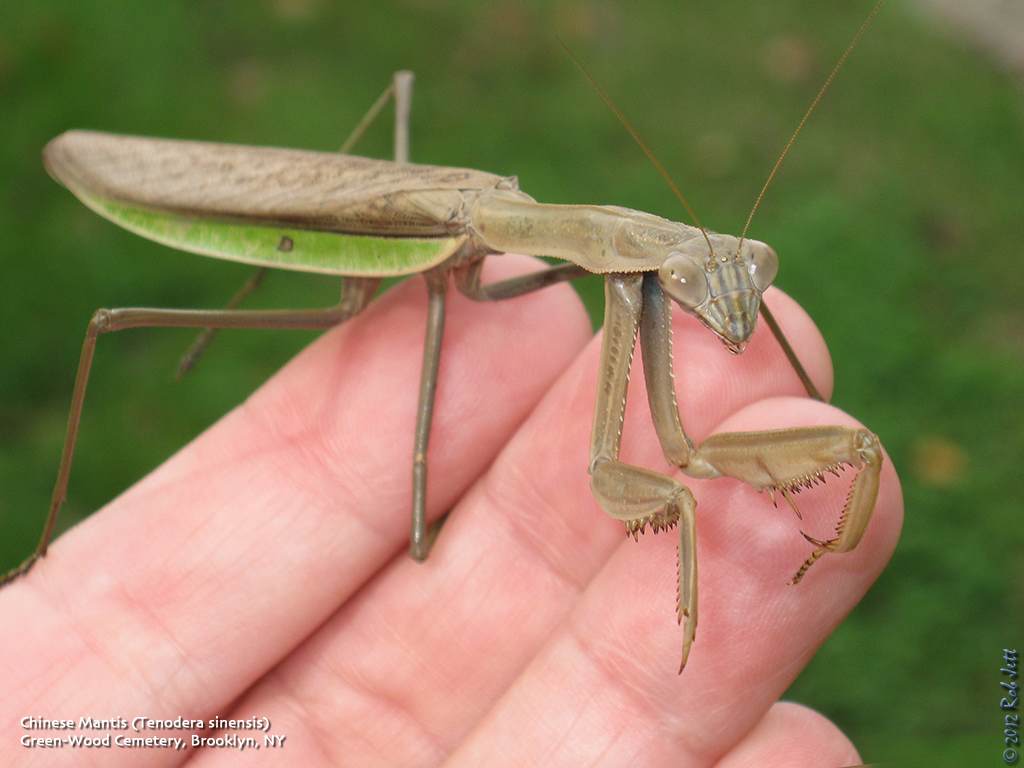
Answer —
(814, 103)
(640, 143)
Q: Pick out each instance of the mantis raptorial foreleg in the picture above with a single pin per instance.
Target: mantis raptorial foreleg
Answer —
(786, 461)
(400, 88)
(637, 496)
(783, 461)
(641, 498)
(356, 294)
(659, 376)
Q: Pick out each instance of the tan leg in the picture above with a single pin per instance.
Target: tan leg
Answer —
(422, 536)
(467, 280)
(787, 461)
(794, 361)
(205, 336)
(783, 461)
(642, 498)
(356, 294)
(637, 496)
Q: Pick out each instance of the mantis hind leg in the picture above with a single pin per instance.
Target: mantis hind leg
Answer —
(356, 294)
(205, 336)
(400, 89)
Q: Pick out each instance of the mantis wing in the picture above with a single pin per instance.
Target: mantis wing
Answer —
(290, 209)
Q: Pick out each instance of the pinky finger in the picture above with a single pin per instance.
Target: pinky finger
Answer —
(792, 736)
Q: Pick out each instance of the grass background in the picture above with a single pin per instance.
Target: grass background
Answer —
(897, 220)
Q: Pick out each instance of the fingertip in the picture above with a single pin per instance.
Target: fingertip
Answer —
(792, 736)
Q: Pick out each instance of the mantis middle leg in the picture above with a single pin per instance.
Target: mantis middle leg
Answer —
(356, 294)
(790, 353)
(422, 537)
(467, 280)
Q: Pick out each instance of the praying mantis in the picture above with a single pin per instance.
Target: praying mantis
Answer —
(365, 220)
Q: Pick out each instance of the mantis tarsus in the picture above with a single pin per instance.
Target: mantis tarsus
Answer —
(366, 220)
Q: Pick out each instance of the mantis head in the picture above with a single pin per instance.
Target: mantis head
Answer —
(723, 286)
(723, 289)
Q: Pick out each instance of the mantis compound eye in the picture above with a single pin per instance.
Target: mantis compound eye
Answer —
(684, 280)
(764, 266)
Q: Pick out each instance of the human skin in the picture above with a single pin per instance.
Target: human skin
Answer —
(262, 569)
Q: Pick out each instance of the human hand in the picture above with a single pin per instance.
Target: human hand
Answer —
(262, 570)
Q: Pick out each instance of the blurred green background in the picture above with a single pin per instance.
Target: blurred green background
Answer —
(897, 219)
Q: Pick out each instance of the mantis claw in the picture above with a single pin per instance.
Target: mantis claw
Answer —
(817, 542)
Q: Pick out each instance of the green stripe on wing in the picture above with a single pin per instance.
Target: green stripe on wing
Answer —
(281, 247)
